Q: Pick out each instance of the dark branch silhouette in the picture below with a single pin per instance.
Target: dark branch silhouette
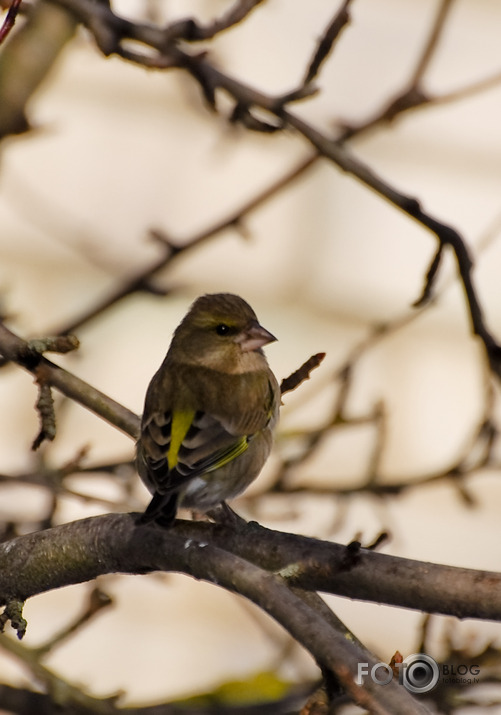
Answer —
(281, 573)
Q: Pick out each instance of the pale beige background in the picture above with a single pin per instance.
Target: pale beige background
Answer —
(119, 150)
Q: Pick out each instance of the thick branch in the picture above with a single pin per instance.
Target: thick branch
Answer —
(362, 574)
(27, 702)
(82, 550)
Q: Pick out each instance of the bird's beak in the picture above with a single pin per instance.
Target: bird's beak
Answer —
(254, 337)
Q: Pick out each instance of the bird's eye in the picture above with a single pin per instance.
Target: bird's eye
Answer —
(222, 329)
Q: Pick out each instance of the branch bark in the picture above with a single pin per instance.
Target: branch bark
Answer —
(19, 351)
(82, 550)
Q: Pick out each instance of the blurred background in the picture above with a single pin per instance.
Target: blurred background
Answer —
(116, 150)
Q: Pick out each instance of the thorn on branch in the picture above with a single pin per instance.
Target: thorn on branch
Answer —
(430, 279)
(303, 373)
(13, 612)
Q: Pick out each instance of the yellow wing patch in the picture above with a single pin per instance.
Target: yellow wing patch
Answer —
(230, 454)
(181, 423)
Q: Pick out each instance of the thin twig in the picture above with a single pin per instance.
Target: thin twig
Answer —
(10, 19)
(235, 14)
(327, 41)
(301, 374)
(432, 43)
(172, 249)
(17, 350)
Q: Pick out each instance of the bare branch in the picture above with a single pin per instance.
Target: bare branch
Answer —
(430, 278)
(10, 19)
(301, 374)
(316, 565)
(191, 30)
(58, 344)
(327, 41)
(172, 249)
(468, 90)
(18, 351)
(413, 96)
(45, 409)
(199, 67)
(446, 235)
(82, 550)
(97, 600)
(269, 568)
(76, 701)
(432, 42)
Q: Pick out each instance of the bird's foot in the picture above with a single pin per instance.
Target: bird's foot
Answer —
(223, 514)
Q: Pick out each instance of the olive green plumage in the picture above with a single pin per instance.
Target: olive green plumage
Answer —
(210, 410)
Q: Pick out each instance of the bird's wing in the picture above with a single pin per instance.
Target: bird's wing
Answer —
(180, 441)
(179, 446)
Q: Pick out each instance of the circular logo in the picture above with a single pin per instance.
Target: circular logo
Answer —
(420, 673)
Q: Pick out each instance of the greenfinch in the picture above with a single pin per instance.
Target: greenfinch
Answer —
(210, 410)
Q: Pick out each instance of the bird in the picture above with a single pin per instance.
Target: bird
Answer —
(210, 410)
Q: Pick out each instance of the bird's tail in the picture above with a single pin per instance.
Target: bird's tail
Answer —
(161, 509)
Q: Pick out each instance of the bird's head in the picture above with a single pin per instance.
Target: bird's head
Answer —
(222, 332)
